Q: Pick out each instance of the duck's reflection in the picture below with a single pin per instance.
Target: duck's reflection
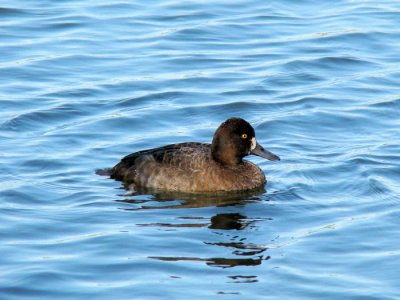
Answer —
(242, 253)
(218, 261)
(230, 221)
(153, 199)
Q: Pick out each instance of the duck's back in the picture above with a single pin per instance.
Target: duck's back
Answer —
(185, 167)
(170, 167)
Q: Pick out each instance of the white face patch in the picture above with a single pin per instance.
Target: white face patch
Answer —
(253, 144)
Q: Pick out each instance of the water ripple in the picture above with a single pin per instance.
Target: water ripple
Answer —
(83, 84)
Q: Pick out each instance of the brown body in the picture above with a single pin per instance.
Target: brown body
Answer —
(186, 167)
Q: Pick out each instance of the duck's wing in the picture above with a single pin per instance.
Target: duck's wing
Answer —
(174, 154)
(166, 153)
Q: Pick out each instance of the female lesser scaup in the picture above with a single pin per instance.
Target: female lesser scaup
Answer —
(199, 167)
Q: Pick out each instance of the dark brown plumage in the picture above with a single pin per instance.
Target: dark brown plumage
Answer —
(199, 167)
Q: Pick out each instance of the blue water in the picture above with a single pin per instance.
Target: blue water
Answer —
(83, 83)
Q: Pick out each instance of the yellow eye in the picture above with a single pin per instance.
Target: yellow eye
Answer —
(244, 136)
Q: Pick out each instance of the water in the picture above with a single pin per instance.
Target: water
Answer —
(83, 83)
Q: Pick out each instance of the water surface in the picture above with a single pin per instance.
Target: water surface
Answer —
(84, 83)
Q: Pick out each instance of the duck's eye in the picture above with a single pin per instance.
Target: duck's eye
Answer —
(244, 136)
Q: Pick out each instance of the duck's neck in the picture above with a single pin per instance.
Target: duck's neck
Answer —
(225, 155)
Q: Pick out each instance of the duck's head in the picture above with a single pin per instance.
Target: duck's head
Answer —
(234, 139)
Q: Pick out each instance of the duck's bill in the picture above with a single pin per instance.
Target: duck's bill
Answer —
(260, 151)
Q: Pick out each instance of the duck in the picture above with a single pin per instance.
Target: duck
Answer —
(199, 167)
